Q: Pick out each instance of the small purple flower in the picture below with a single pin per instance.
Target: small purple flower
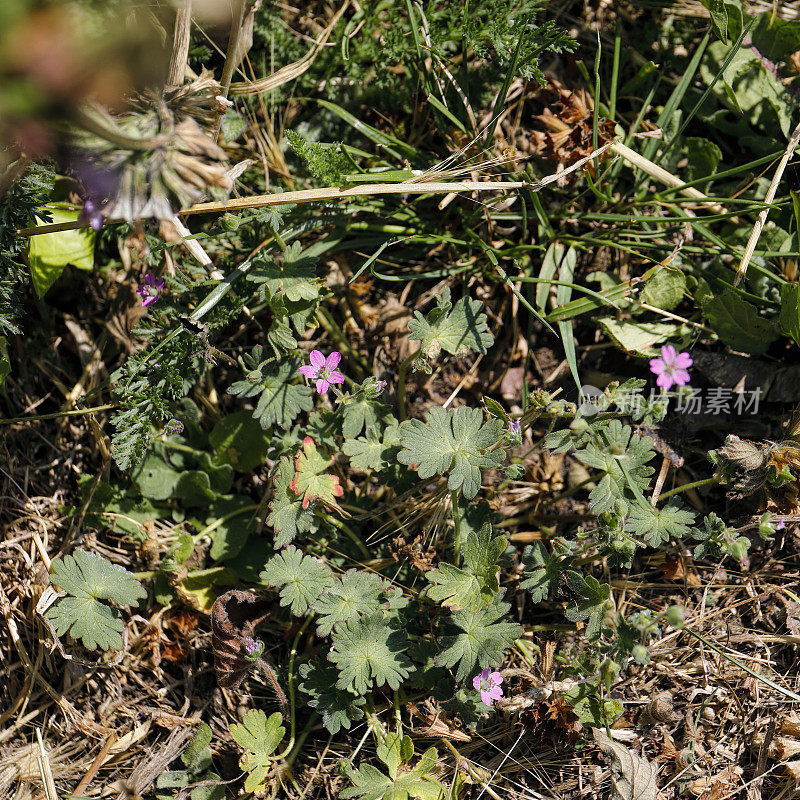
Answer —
(488, 684)
(173, 427)
(780, 524)
(250, 645)
(323, 370)
(90, 214)
(671, 368)
(514, 432)
(150, 290)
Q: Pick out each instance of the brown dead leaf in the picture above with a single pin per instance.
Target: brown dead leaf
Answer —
(633, 777)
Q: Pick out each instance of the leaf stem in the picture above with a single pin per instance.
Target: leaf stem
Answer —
(290, 687)
(401, 384)
(686, 486)
(458, 543)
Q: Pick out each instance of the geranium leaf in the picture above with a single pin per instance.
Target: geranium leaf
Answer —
(355, 594)
(300, 578)
(286, 513)
(455, 442)
(658, 525)
(310, 480)
(338, 709)
(259, 736)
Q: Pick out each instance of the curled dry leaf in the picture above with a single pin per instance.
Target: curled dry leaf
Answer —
(634, 778)
(234, 615)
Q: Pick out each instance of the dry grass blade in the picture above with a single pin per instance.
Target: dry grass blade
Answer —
(290, 71)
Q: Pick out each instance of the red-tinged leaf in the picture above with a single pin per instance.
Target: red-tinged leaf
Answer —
(310, 479)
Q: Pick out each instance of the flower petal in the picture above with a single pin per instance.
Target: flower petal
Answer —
(496, 678)
(665, 380)
(683, 361)
(495, 692)
(336, 377)
(332, 361)
(308, 371)
(657, 366)
(322, 386)
(486, 698)
(485, 674)
(148, 301)
(668, 353)
(317, 359)
(476, 682)
(681, 377)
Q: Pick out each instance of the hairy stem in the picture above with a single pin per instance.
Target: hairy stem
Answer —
(401, 384)
(687, 486)
(458, 543)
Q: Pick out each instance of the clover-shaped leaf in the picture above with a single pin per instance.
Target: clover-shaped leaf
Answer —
(310, 480)
(453, 327)
(368, 652)
(88, 578)
(455, 442)
(258, 736)
(301, 578)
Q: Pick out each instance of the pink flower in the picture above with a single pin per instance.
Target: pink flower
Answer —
(671, 368)
(150, 290)
(488, 684)
(323, 370)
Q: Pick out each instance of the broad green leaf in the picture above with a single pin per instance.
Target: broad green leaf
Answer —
(369, 652)
(703, 156)
(233, 521)
(49, 253)
(453, 327)
(457, 442)
(339, 709)
(644, 339)
(372, 453)
(301, 578)
(310, 480)
(88, 578)
(155, 479)
(240, 441)
(362, 414)
(790, 312)
(193, 755)
(193, 489)
(295, 276)
(664, 288)
(738, 324)
(456, 588)
(477, 639)
(543, 570)
(258, 736)
(658, 525)
(353, 595)
(286, 513)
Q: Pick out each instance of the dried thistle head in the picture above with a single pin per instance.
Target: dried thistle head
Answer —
(742, 464)
(155, 159)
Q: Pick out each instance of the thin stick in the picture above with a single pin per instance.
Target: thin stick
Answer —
(768, 198)
(232, 57)
(180, 44)
(96, 764)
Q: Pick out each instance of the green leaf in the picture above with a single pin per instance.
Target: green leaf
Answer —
(790, 312)
(233, 524)
(372, 453)
(543, 569)
(155, 479)
(49, 253)
(455, 328)
(195, 751)
(287, 515)
(239, 441)
(658, 525)
(193, 488)
(310, 480)
(476, 639)
(362, 413)
(624, 456)
(301, 578)
(369, 652)
(357, 593)
(280, 402)
(644, 339)
(664, 288)
(294, 277)
(738, 324)
(339, 709)
(456, 588)
(592, 603)
(702, 156)
(718, 11)
(259, 737)
(403, 781)
(457, 442)
(88, 578)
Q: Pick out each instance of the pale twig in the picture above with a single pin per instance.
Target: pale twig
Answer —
(768, 198)
(180, 43)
